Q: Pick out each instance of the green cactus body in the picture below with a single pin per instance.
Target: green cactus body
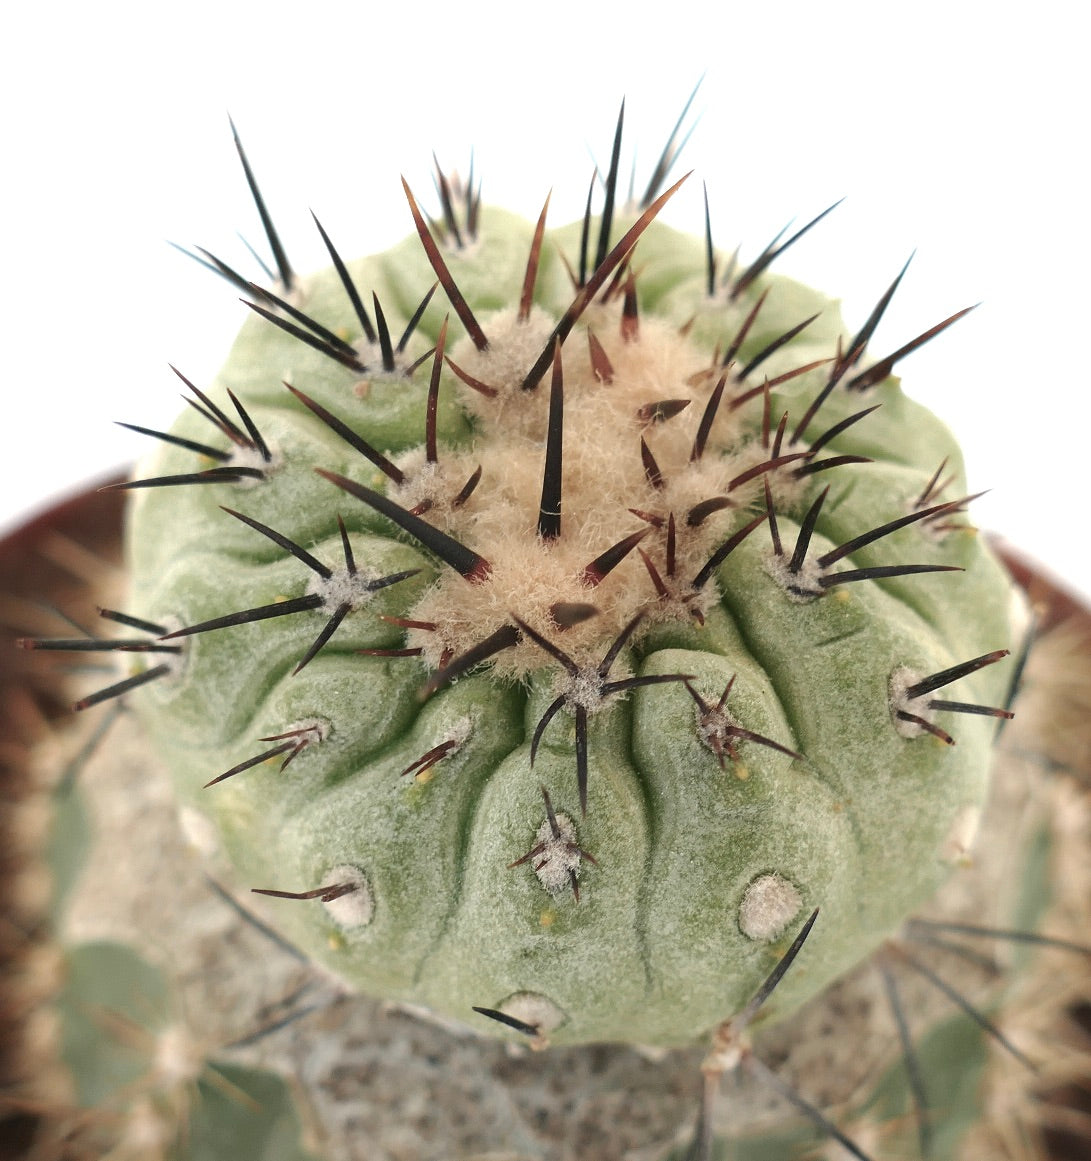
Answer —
(449, 825)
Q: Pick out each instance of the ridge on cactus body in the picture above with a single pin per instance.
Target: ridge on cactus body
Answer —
(551, 655)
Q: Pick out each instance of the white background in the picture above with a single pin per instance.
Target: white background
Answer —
(958, 130)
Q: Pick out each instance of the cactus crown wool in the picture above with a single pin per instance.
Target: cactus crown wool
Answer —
(601, 618)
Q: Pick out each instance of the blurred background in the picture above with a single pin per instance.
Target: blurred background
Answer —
(957, 130)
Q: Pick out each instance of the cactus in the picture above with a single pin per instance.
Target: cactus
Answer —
(582, 660)
(144, 1087)
(658, 624)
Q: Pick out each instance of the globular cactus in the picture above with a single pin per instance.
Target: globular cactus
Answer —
(650, 537)
(554, 655)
